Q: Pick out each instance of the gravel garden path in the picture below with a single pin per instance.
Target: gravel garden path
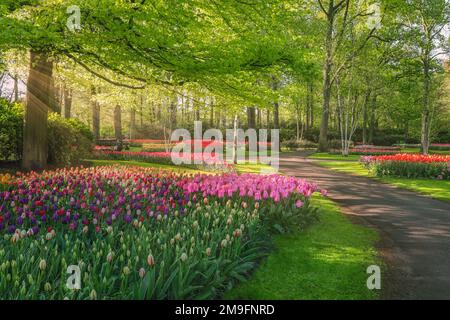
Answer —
(414, 229)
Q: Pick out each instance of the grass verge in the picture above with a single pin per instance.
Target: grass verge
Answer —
(327, 261)
(240, 168)
(336, 157)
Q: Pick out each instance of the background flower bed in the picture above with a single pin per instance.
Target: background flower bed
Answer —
(371, 150)
(409, 166)
(208, 163)
(137, 233)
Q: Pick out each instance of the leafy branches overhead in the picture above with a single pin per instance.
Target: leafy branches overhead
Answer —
(167, 42)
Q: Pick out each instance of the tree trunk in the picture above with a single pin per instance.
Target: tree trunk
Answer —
(224, 120)
(141, 113)
(235, 138)
(307, 110)
(309, 106)
(268, 118)
(197, 113)
(57, 97)
(276, 115)
(35, 144)
(251, 117)
(323, 138)
(95, 115)
(118, 126)
(365, 117)
(426, 117)
(298, 119)
(372, 119)
(211, 115)
(132, 123)
(276, 105)
(173, 113)
(218, 115)
(67, 102)
(16, 88)
(259, 118)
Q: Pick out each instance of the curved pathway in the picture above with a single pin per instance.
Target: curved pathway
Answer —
(415, 229)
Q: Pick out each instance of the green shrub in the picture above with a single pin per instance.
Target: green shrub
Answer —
(294, 144)
(440, 148)
(69, 141)
(387, 140)
(11, 130)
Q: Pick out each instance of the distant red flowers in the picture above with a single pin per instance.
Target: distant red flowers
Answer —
(440, 144)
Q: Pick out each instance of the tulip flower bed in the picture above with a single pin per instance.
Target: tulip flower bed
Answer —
(409, 165)
(440, 146)
(372, 150)
(137, 233)
(5, 180)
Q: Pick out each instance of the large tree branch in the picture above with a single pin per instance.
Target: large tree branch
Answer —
(323, 8)
(352, 56)
(97, 74)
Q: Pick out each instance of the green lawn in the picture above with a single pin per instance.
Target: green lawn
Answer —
(327, 261)
(437, 189)
(142, 164)
(330, 156)
(240, 168)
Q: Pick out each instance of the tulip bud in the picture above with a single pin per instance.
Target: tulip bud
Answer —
(183, 257)
(109, 257)
(42, 265)
(126, 270)
(208, 252)
(15, 238)
(93, 295)
(141, 273)
(223, 244)
(48, 287)
(150, 260)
